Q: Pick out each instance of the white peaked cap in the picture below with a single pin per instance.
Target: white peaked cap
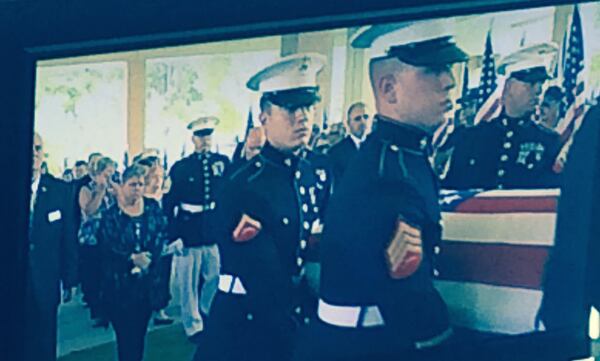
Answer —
(540, 55)
(203, 123)
(292, 72)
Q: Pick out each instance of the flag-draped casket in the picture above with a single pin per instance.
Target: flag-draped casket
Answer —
(490, 263)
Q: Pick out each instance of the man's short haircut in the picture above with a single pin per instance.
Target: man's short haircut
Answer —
(102, 164)
(135, 170)
(265, 104)
(380, 67)
(354, 106)
(92, 155)
(79, 163)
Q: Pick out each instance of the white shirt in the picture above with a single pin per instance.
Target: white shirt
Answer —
(357, 141)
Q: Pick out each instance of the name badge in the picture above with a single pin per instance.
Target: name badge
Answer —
(54, 216)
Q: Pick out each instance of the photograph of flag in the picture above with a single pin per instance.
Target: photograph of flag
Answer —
(573, 80)
(490, 263)
(489, 89)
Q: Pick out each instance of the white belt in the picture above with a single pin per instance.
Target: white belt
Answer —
(231, 284)
(197, 208)
(350, 316)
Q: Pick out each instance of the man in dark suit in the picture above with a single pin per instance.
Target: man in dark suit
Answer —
(358, 124)
(52, 257)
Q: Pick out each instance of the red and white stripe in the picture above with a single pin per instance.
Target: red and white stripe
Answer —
(492, 107)
(491, 260)
(572, 120)
(569, 125)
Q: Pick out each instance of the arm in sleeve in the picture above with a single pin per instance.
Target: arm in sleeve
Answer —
(69, 244)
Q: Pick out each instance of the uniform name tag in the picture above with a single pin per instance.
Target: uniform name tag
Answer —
(405, 251)
(247, 229)
(54, 216)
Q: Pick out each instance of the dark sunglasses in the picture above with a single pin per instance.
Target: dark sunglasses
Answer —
(37, 148)
(358, 118)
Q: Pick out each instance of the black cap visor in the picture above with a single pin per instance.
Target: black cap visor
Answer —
(203, 132)
(430, 53)
(293, 99)
(531, 75)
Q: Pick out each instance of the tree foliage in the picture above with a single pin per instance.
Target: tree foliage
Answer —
(72, 83)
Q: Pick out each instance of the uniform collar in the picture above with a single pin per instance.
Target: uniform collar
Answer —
(201, 156)
(280, 158)
(357, 141)
(504, 120)
(403, 135)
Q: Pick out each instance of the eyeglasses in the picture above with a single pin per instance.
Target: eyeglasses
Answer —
(358, 118)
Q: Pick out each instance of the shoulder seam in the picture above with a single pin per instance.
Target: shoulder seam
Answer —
(243, 168)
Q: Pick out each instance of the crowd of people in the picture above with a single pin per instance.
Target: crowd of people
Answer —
(304, 241)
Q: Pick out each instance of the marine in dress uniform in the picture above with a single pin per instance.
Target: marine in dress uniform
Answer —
(189, 205)
(383, 221)
(272, 209)
(510, 151)
(342, 153)
(52, 258)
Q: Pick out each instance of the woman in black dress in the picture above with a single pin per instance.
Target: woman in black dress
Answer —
(132, 238)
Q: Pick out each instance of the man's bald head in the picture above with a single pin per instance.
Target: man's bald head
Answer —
(254, 142)
(38, 152)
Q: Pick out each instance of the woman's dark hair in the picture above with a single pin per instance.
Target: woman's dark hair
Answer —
(135, 170)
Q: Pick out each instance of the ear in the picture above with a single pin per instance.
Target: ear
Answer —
(510, 83)
(263, 117)
(387, 88)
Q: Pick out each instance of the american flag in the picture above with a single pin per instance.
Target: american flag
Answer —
(489, 91)
(573, 83)
(490, 262)
(441, 134)
(573, 86)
